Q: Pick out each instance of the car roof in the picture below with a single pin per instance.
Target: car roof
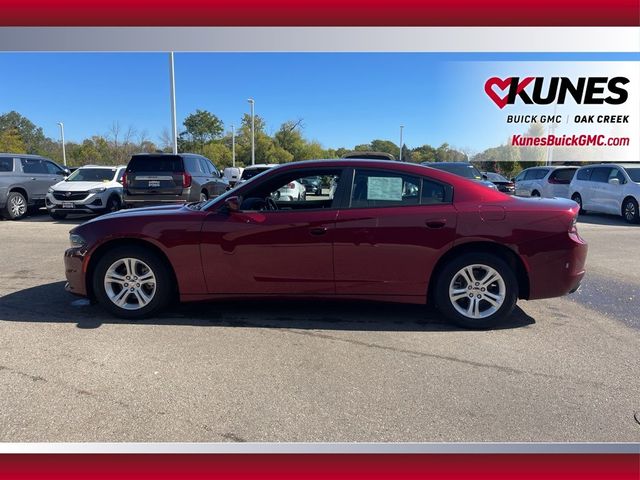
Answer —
(110, 167)
(27, 155)
(263, 165)
(623, 165)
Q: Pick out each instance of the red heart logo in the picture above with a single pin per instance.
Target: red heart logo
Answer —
(502, 85)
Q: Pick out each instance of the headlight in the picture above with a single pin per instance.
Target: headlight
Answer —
(97, 190)
(76, 240)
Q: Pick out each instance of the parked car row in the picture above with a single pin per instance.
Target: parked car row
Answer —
(602, 188)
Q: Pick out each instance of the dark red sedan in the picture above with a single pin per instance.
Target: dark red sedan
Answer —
(386, 231)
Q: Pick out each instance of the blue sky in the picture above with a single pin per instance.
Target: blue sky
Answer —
(344, 99)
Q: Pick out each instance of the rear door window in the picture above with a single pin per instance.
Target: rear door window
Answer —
(34, 166)
(384, 189)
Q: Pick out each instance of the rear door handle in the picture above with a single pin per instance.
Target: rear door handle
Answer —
(318, 230)
(439, 223)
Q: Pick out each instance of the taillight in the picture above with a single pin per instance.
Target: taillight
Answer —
(124, 179)
(574, 227)
(186, 180)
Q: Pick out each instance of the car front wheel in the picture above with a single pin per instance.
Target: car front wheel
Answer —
(476, 290)
(132, 282)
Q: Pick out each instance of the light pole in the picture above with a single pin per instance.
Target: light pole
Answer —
(401, 127)
(253, 131)
(233, 145)
(174, 126)
(64, 152)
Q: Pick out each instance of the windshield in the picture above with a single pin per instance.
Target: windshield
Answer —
(496, 177)
(252, 172)
(462, 169)
(92, 175)
(634, 173)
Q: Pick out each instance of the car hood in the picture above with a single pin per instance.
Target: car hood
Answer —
(82, 186)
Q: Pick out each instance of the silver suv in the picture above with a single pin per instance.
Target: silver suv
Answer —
(89, 189)
(24, 181)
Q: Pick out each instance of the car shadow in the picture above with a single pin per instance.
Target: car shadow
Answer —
(42, 215)
(605, 219)
(51, 304)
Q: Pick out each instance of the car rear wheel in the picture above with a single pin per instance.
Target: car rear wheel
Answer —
(476, 290)
(535, 193)
(630, 210)
(132, 282)
(203, 196)
(578, 199)
(16, 206)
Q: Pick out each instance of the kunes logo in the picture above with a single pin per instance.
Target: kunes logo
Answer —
(539, 91)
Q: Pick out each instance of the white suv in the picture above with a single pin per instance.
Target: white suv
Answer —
(546, 182)
(90, 189)
(608, 188)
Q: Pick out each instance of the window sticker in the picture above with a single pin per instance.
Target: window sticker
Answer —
(384, 188)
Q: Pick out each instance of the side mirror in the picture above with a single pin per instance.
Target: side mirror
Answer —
(614, 181)
(232, 204)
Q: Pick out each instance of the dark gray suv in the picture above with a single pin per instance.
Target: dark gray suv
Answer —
(161, 178)
(24, 181)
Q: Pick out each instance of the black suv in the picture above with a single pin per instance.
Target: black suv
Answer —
(160, 178)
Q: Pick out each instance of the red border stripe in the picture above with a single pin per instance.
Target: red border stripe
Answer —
(319, 13)
(310, 466)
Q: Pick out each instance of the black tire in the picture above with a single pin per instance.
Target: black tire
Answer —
(164, 288)
(630, 210)
(535, 193)
(57, 215)
(16, 207)
(450, 272)
(578, 199)
(204, 196)
(113, 204)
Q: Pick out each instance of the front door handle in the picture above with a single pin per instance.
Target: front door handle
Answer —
(33, 178)
(318, 230)
(439, 223)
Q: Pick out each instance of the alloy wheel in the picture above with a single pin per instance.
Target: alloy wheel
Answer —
(17, 206)
(630, 211)
(130, 283)
(477, 291)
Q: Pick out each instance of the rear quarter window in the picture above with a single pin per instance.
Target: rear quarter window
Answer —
(156, 163)
(6, 164)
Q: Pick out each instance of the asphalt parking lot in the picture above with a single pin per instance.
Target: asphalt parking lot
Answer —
(564, 369)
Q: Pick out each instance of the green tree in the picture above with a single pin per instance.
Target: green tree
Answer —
(31, 136)
(201, 127)
(289, 138)
(385, 146)
(11, 142)
(218, 153)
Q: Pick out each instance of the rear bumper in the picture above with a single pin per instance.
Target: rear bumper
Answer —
(558, 272)
(133, 201)
(74, 263)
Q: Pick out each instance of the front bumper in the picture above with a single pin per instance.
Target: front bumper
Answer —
(93, 203)
(75, 260)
